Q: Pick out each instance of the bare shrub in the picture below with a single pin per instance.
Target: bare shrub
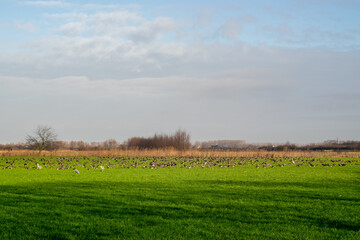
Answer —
(180, 140)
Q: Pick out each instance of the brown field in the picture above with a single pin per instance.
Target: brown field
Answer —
(172, 152)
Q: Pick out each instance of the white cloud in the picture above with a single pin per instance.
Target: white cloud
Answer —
(104, 6)
(29, 27)
(149, 31)
(68, 16)
(236, 88)
(121, 17)
(120, 24)
(118, 62)
(73, 28)
(171, 49)
(45, 3)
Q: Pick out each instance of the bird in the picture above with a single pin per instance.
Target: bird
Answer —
(38, 166)
(77, 171)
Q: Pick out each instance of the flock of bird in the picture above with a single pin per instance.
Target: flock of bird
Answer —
(102, 163)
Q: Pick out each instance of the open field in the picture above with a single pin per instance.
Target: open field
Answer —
(273, 197)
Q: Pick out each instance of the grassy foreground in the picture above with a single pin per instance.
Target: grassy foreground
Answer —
(241, 202)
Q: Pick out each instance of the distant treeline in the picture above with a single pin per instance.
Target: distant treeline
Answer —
(180, 140)
(331, 145)
(325, 146)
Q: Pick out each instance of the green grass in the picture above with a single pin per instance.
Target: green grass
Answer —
(241, 202)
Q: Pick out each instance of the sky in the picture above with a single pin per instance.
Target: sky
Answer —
(259, 71)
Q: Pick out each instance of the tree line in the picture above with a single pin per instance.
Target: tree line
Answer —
(180, 140)
(45, 138)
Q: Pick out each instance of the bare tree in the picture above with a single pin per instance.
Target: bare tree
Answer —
(182, 140)
(110, 144)
(42, 138)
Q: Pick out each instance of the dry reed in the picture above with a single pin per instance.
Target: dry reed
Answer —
(175, 153)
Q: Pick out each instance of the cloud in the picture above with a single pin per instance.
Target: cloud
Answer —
(115, 66)
(72, 28)
(221, 86)
(151, 30)
(111, 7)
(187, 69)
(231, 29)
(129, 23)
(120, 24)
(29, 27)
(110, 57)
(236, 88)
(171, 49)
(204, 17)
(45, 3)
(67, 16)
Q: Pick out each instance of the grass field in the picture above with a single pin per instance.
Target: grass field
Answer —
(179, 198)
